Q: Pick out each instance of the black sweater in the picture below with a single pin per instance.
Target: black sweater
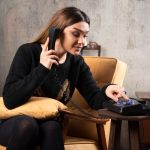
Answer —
(26, 75)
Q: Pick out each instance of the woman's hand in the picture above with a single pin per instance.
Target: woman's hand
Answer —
(48, 57)
(115, 91)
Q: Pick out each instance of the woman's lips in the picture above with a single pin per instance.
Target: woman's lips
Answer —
(78, 48)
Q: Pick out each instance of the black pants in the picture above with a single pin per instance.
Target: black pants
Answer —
(23, 133)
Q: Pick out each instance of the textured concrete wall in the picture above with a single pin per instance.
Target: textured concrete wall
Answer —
(121, 27)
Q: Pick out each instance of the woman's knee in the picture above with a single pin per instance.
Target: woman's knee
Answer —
(51, 126)
(27, 124)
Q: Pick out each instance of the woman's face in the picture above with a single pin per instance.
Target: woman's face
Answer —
(74, 37)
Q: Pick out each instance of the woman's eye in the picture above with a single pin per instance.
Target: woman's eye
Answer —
(76, 34)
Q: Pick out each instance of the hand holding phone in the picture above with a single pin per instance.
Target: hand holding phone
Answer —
(49, 58)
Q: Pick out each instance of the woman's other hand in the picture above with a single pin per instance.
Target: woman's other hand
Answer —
(115, 91)
(48, 57)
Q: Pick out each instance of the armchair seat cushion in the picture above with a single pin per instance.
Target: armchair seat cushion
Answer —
(81, 147)
(77, 143)
(77, 140)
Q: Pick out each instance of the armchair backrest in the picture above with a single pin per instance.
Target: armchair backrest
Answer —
(106, 69)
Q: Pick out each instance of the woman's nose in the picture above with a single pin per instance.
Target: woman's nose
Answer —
(82, 40)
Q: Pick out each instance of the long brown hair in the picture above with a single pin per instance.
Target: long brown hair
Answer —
(61, 19)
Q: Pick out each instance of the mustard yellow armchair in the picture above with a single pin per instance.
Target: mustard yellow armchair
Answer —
(83, 133)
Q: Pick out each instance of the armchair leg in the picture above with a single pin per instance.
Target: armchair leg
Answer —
(101, 136)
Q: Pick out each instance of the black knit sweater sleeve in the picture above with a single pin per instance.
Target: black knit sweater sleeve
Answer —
(88, 88)
(22, 80)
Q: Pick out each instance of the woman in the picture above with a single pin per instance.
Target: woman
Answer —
(37, 70)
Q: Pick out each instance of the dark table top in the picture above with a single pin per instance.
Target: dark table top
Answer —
(115, 116)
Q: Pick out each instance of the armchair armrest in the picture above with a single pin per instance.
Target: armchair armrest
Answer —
(74, 113)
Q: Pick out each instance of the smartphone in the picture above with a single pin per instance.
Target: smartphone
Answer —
(53, 35)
